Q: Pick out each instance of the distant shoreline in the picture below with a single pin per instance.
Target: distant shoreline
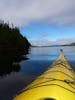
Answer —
(54, 46)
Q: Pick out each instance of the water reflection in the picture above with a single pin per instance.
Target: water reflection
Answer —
(51, 53)
(9, 60)
(27, 70)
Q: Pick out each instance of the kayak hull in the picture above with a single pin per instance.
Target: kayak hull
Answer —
(57, 83)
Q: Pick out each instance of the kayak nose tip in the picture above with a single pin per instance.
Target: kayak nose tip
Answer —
(47, 99)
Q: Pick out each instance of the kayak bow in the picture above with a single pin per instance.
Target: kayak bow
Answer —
(57, 83)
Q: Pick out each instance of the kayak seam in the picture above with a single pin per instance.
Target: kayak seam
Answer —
(63, 73)
(70, 69)
(48, 85)
(65, 81)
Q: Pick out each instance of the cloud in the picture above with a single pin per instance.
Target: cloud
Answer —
(24, 12)
(57, 42)
(64, 41)
(41, 43)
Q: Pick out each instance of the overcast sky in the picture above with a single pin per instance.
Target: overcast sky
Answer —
(43, 21)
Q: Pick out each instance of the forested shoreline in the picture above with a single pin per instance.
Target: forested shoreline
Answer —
(12, 48)
(12, 38)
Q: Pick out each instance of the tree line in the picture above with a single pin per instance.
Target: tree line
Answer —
(11, 38)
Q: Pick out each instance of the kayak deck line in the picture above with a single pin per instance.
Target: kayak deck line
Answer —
(57, 83)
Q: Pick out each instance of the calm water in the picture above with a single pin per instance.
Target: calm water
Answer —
(38, 61)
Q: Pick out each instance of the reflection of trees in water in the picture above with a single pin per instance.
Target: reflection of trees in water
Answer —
(9, 60)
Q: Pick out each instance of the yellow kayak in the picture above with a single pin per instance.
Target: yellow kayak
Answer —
(57, 83)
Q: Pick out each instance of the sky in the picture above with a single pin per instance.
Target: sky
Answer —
(43, 22)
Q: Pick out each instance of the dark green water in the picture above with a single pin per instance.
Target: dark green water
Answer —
(37, 62)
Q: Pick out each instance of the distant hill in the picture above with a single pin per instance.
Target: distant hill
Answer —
(48, 46)
(71, 44)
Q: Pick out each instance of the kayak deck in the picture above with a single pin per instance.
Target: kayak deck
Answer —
(57, 83)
